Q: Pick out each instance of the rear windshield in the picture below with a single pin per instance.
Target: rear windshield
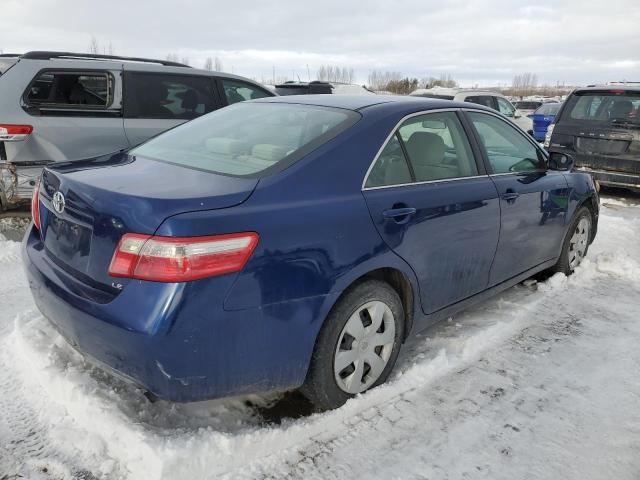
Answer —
(548, 109)
(248, 139)
(7, 63)
(604, 107)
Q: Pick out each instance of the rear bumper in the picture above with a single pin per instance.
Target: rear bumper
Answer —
(176, 340)
(613, 179)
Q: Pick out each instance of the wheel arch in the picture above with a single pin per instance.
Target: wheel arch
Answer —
(399, 281)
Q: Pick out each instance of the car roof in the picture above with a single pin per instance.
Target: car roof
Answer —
(614, 87)
(361, 102)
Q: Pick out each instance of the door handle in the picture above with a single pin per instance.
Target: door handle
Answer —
(399, 215)
(510, 195)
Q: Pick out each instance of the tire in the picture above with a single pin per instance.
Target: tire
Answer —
(576, 242)
(324, 386)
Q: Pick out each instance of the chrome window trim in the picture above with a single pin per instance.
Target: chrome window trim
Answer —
(453, 179)
(393, 132)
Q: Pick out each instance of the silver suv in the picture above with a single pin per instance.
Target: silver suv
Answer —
(58, 106)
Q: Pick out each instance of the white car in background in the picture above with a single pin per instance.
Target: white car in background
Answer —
(490, 99)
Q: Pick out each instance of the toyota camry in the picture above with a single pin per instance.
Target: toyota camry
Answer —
(296, 243)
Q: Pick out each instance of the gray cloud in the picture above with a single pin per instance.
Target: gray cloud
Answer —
(483, 42)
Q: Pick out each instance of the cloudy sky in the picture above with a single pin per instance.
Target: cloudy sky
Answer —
(484, 42)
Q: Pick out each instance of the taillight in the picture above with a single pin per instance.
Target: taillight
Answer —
(13, 133)
(181, 259)
(35, 205)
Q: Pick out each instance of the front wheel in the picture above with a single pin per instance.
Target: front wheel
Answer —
(357, 346)
(576, 243)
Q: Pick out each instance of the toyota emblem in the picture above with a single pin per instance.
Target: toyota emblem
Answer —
(58, 202)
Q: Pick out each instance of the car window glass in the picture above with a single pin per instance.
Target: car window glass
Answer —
(605, 107)
(508, 149)
(167, 96)
(247, 138)
(391, 166)
(505, 107)
(437, 147)
(71, 89)
(237, 91)
(485, 100)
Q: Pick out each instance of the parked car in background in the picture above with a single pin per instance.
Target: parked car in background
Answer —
(600, 127)
(527, 107)
(288, 243)
(542, 118)
(493, 100)
(57, 106)
(318, 87)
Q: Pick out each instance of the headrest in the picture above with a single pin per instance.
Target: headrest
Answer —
(268, 152)
(426, 148)
(190, 100)
(225, 146)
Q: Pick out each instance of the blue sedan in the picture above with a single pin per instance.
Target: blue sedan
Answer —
(296, 242)
(542, 118)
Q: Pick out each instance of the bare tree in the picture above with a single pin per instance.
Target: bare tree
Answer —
(185, 60)
(173, 57)
(330, 73)
(379, 80)
(217, 65)
(524, 84)
(94, 47)
(208, 64)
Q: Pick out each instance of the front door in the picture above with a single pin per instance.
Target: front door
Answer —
(435, 207)
(533, 200)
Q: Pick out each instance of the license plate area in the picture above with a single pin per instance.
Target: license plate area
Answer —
(601, 146)
(68, 241)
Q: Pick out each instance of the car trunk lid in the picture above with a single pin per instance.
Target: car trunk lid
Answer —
(87, 206)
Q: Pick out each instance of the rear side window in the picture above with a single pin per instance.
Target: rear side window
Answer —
(247, 139)
(437, 149)
(607, 107)
(237, 91)
(166, 96)
(485, 100)
(71, 89)
(505, 107)
(548, 109)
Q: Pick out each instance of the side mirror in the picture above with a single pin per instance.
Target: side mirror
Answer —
(560, 161)
(517, 114)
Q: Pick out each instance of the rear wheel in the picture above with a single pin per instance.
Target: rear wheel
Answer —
(357, 346)
(576, 243)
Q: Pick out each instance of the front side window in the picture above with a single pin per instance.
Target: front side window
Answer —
(485, 100)
(606, 107)
(508, 149)
(505, 107)
(166, 96)
(248, 138)
(237, 91)
(437, 147)
(69, 89)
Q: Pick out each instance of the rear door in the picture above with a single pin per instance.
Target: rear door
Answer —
(602, 129)
(533, 200)
(157, 101)
(434, 205)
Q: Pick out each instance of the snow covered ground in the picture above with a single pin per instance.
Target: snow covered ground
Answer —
(542, 382)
